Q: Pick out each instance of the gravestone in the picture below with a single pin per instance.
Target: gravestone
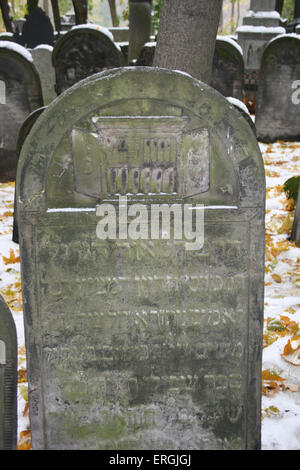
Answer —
(278, 98)
(83, 51)
(146, 56)
(8, 379)
(228, 68)
(142, 342)
(139, 26)
(42, 59)
(24, 132)
(295, 235)
(22, 95)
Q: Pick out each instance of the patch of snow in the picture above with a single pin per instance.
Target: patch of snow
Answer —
(44, 47)
(13, 46)
(263, 14)
(261, 29)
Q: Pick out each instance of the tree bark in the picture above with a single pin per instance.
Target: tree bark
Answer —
(113, 12)
(56, 15)
(81, 11)
(7, 19)
(187, 36)
(297, 9)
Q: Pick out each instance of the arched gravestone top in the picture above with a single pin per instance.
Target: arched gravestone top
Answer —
(24, 131)
(83, 51)
(278, 104)
(8, 379)
(22, 95)
(228, 68)
(127, 336)
(146, 55)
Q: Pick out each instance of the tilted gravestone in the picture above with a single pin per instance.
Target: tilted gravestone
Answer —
(83, 51)
(8, 379)
(24, 132)
(20, 95)
(135, 338)
(295, 235)
(42, 59)
(228, 68)
(278, 98)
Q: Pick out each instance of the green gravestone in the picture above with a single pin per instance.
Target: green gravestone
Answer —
(8, 379)
(142, 342)
(20, 95)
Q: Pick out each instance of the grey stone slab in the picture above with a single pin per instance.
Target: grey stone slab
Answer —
(42, 59)
(142, 343)
(21, 94)
(84, 51)
(23, 133)
(278, 100)
(139, 27)
(263, 5)
(8, 379)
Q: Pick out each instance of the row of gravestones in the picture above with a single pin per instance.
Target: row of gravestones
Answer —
(87, 50)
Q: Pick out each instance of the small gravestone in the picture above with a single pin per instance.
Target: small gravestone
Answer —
(138, 335)
(83, 51)
(278, 98)
(228, 68)
(42, 59)
(24, 132)
(8, 379)
(23, 94)
(146, 56)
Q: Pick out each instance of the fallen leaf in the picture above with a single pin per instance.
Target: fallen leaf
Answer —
(276, 277)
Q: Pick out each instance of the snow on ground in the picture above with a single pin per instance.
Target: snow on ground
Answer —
(280, 371)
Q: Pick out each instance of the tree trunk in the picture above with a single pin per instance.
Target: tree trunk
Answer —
(56, 15)
(279, 6)
(113, 12)
(297, 9)
(232, 15)
(7, 19)
(81, 11)
(187, 36)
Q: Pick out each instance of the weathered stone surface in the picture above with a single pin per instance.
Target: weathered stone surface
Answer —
(24, 132)
(146, 56)
(42, 59)
(228, 68)
(242, 108)
(278, 100)
(141, 343)
(81, 52)
(8, 379)
(22, 94)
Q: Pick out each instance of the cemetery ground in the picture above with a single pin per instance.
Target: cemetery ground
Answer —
(281, 354)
